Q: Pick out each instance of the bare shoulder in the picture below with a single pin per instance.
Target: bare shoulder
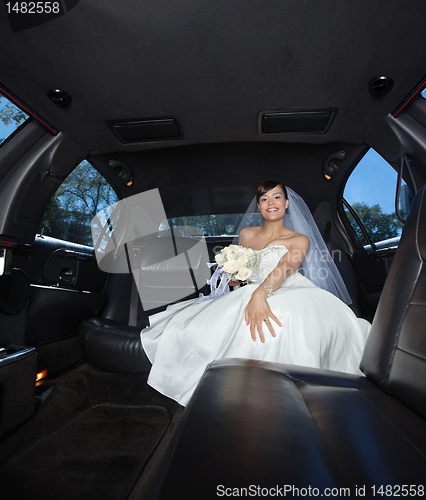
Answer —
(298, 242)
(248, 234)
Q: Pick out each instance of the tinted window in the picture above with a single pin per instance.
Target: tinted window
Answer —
(370, 191)
(209, 225)
(80, 197)
(10, 118)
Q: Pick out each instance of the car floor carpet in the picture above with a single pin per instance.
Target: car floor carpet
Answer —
(98, 455)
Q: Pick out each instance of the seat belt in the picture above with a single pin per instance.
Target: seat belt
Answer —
(134, 303)
(134, 294)
(404, 163)
(327, 236)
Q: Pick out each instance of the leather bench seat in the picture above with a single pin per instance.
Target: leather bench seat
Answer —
(112, 346)
(267, 424)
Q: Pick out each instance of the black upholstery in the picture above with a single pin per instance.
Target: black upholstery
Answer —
(395, 354)
(113, 347)
(17, 388)
(168, 269)
(347, 272)
(258, 423)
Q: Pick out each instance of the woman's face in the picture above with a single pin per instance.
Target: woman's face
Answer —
(273, 204)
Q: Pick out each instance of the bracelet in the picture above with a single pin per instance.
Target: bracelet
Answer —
(269, 288)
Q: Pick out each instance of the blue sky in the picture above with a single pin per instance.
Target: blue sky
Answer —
(373, 181)
(5, 131)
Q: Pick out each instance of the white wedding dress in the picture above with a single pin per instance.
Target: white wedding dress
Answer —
(319, 331)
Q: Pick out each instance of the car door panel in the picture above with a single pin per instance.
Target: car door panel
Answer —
(76, 269)
(372, 269)
(69, 265)
(66, 288)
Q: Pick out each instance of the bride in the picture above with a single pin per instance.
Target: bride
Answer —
(282, 318)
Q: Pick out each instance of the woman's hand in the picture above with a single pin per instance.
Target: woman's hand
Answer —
(257, 312)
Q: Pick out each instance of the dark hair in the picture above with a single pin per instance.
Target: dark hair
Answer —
(266, 186)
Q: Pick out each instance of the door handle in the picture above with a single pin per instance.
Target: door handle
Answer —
(66, 276)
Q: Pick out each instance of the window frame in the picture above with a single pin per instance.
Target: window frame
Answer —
(389, 244)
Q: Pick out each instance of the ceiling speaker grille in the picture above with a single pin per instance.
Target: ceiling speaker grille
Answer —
(295, 122)
(157, 129)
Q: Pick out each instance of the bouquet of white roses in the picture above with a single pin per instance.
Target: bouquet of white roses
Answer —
(239, 263)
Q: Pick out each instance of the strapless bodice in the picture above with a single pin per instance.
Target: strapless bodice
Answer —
(269, 258)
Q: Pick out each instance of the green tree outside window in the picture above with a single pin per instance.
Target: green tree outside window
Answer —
(83, 194)
(379, 226)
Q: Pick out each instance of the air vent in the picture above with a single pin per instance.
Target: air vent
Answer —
(295, 122)
(157, 129)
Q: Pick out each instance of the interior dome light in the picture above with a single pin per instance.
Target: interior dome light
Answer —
(59, 97)
(380, 85)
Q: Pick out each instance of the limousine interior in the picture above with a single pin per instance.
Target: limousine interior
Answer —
(202, 101)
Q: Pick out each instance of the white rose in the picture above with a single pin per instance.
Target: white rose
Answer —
(227, 252)
(241, 263)
(230, 267)
(219, 258)
(247, 252)
(244, 274)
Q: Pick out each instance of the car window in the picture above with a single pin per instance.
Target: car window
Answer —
(83, 194)
(11, 117)
(210, 225)
(369, 201)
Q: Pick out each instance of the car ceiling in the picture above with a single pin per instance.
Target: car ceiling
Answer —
(214, 66)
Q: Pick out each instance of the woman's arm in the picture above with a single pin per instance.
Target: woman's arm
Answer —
(258, 309)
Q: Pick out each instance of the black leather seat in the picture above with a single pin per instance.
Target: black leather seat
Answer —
(253, 424)
(112, 346)
(161, 269)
